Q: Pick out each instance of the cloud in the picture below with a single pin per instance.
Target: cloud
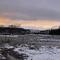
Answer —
(30, 9)
(33, 14)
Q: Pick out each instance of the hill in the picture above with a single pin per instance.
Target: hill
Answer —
(13, 31)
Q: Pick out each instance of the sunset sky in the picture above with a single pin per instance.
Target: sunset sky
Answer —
(36, 14)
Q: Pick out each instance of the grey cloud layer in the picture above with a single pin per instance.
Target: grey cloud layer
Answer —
(30, 9)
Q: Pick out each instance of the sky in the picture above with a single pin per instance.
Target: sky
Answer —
(37, 14)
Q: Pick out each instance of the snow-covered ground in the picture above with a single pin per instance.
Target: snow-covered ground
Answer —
(43, 53)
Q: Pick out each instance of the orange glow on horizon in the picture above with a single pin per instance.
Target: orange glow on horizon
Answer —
(33, 23)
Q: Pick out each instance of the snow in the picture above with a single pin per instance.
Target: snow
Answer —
(43, 53)
(8, 46)
(47, 54)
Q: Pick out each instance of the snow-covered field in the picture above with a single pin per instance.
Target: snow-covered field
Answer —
(37, 39)
(43, 53)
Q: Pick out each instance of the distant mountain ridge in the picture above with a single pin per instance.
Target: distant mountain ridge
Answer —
(54, 31)
(13, 31)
